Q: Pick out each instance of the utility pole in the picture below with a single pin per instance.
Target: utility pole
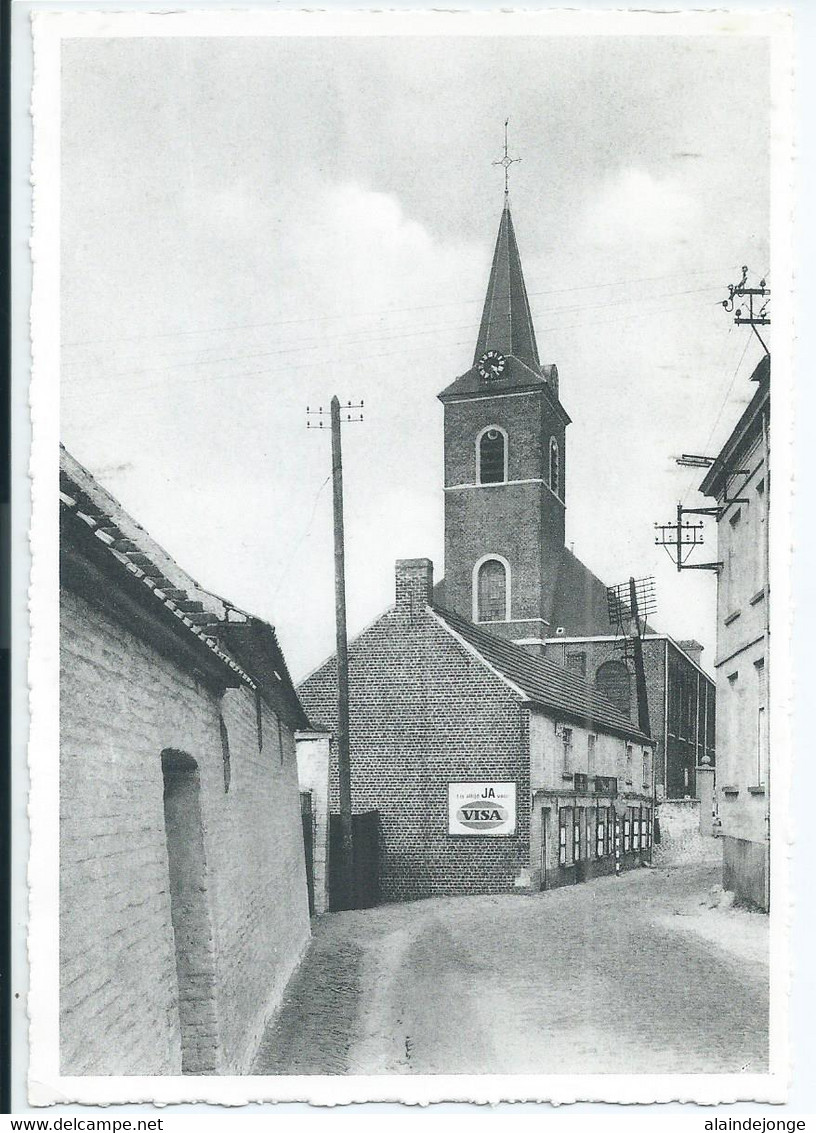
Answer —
(754, 316)
(680, 538)
(640, 672)
(347, 896)
(626, 603)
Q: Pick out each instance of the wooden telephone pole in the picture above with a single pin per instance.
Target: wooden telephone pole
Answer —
(346, 899)
(343, 756)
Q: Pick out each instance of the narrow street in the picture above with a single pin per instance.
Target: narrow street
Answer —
(630, 974)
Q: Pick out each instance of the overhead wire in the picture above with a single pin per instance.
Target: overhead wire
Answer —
(344, 341)
(723, 404)
(385, 310)
(336, 361)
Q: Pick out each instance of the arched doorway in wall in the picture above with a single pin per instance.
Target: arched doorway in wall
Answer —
(190, 913)
(613, 681)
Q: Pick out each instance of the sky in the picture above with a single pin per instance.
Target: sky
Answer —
(252, 225)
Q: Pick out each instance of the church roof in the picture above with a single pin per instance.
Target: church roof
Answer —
(546, 684)
(507, 325)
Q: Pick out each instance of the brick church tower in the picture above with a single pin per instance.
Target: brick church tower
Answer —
(505, 466)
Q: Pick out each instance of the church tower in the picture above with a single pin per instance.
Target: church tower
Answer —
(505, 467)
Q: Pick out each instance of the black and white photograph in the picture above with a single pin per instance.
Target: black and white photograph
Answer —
(410, 594)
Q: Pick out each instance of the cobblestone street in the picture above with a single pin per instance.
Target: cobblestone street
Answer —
(641, 973)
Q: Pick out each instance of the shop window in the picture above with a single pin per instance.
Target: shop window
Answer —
(492, 456)
(627, 834)
(576, 837)
(600, 832)
(562, 836)
(635, 832)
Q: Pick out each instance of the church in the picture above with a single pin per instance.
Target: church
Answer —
(506, 563)
(506, 675)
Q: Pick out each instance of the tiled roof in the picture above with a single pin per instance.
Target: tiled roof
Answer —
(239, 641)
(543, 682)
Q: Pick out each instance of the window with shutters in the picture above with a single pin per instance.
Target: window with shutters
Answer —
(591, 755)
(566, 738)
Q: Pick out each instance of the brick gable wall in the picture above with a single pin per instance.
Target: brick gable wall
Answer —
(425, 712)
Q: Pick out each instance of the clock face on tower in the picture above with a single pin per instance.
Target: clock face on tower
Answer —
(491, 365)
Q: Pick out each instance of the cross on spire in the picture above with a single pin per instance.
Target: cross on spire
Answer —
(506, 161)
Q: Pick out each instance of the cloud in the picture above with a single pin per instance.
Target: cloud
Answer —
(636, 205)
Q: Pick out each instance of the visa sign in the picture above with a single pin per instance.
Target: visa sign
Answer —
(482, 808)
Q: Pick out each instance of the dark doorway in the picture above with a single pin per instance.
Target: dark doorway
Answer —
(366, 846)
(307, 819)
(190, 913)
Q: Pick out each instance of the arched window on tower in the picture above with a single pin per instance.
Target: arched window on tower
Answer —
(492, 455)
(612, 680)
(492, 591)
(555, 467)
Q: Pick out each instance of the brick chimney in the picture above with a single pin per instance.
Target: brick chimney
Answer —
(692, 649)
(414, 585)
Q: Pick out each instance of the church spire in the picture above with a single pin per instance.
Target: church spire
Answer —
(507, 325)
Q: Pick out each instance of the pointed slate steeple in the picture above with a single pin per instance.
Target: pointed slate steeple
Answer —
(507, 325)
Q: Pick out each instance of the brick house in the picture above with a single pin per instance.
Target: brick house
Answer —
(183, 900)
(506, 563)
(738, 481)
(680, 694)
(442, 713)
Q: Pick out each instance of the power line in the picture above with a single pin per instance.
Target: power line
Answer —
(723, 404)
(304, 536)
(345, 341)
(381, 311)
(358, 358)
